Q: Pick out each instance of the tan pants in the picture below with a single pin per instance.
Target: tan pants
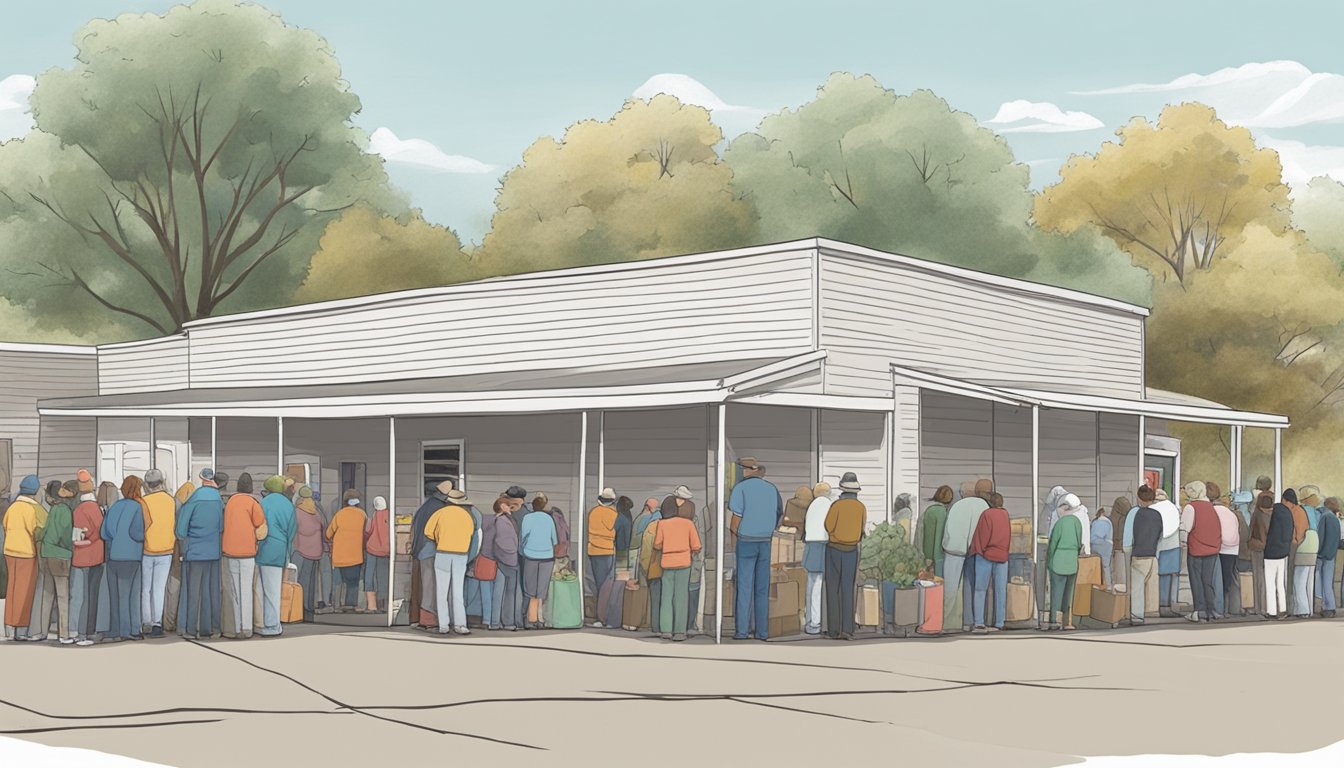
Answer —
(1142, 587)
(55, 589)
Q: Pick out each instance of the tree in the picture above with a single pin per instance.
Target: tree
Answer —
(183, 166)
(363, 253)
(1175, 195)
(910, 174)
(645, 183)
(1318, 210)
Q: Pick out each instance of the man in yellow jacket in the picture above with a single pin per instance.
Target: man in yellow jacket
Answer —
(160, 524)
(452, 529)
(21, 524)
(602, 540)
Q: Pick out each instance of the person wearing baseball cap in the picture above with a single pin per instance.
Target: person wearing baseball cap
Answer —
(602, 540)
(160, 539)
(757, 509)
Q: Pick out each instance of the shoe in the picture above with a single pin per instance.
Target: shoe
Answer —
(665, 635)
(813, 632)
(511, 629)
(84, 643)
(980, 630)
(35, 638)
(596, 625)
(1193, 618)
(67, 641)
(137, 637)
(494, 627)
(1136, 622)
(741, 637)
(445, 631)
(993, 629)
(462, 631)
(157, 631)
(843, 636)
(678, 638)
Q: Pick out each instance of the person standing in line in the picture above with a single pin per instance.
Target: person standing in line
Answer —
(57, 552)
(124, 532)
(1278, 545)
(537, 542)
(346, 534)
(1168, 556)
(814, 554)
(326, 581)
(1204, 538)
(273, 551)
(308, 545)
(989, 558)
(1143, 534)
(200, 528)
(1062, 551)
(1301, 524)
(648, 514)
(31, 631)
(244, 526)
(86, 577)
(1329, 532)
(160, 540)
(562, 529)
(651, 567)
(21, 551)
(676, 539)
(931, 526)
(958, 582)
(757, 509)
(844, 530)
(423, 590)
(503, 606)
(174, 596)
(602, 540)
(1260, 518)
(1229, 597)
(1102, 537)
(1304, 574)
(686, 508)
(1120, 509)
(452, 529)
(625, 526)
(377, 551)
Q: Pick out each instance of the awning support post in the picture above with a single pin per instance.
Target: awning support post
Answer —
(721, 466)
(214, 434)
(1036, 494)
(391, 509)
(577, 545)
(1143, 450)
(279, 445)
(1278, 461)
(153, 443)
(601, 450)
(1234, 457)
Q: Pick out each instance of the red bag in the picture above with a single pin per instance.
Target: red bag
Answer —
(486, 568)
(931, 609)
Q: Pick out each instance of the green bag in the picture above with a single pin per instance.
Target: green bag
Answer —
(566, 604)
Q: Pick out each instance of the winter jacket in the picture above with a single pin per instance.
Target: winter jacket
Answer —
(1230, 534)
(281, 528)
(756, 501)
(346, 534)
(1066, 541)
(244, 522)
(602, 530)
(89, 516)
(451, 529)
(21, 524)
(624, 527)
(1146, 526)
(160, 523)
(376, 542)
(538, 537)
(844, 523)
(1279, 540)
(200, 523)
(124, 531)
(421, 547)
(992, 535)
(308, 530)
(1260, 529)
(961, 521)
(931, 526)
(506, 541)
(58, 536)
(1329, 533)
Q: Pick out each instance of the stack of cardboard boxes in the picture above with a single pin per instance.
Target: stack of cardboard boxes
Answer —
(1089, 576)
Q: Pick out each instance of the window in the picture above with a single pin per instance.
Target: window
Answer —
(441, 460)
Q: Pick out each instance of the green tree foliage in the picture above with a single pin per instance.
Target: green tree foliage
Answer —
(184, 166)
(1318, 210)
(645, 183)
(910, 174)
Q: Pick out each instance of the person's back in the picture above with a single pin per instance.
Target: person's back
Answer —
(992, 535)
(1279, 542)
(538, 537)
(280, 530)
(20, 524)
(1329, 536)
(602, 530)
(88, 516)
(1102, 535)
(1230, 532)
(1147, 532)
(160, 523)
(421, 546)
(346, 534)
(962, 518)
(243, 516)
(1066, 541)
(200, 523)
(759, 507)
(1205, 532)
(506, 543)
(124, 531)
(844, 523)
(814, 520)
(451, 529)
(307, 530)
(676, 539)
(932, 523)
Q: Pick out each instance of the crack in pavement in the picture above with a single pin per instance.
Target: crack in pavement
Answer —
(110, 726)
(173, 711)
(358, 710)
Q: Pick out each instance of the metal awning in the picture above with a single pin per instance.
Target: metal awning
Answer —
(512, 392)
(1156, 404)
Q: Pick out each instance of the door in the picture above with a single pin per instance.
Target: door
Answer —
(354, 474)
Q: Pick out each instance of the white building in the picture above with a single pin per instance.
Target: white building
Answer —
(816, 357)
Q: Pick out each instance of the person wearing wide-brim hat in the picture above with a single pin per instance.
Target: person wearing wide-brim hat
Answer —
(844, 530)
(757, 510)
(346, 534)
(601, 547)
(452, 531)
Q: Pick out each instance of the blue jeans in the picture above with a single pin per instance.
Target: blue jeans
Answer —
(504, 598)
(1325, 584)
(985, 572)
(486, 592)
(752, 582)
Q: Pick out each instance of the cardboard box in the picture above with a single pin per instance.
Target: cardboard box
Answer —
(783, 626)
(799, 577)
(1082, 599)
(403, 542)
(868, 606)
(784, 599)
(1020, 532)
(786, 547)
(1247, 580)
(635, 609)
(1018, 605)
(1109, 607)
(1089, 571)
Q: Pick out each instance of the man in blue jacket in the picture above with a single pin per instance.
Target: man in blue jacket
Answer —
(1329, 531)
(757, 509)
(273, 551)
(200, 524)
(423, 592)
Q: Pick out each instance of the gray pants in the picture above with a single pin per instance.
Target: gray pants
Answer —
(504, 601)
(428, 588)
(954, 605)
(1202, 570)
(124, 597)
(841, 571)
(86, 585)
(310, 575)
(56, 594)
(674, 607)
(238, 575)
(200, 614)
(1142, 587)
(272, 576)
(1258, 579)
(656, 605)
(375, 578)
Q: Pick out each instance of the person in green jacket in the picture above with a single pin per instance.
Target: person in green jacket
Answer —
(57, 549)
(1066, 541)
(931, 525)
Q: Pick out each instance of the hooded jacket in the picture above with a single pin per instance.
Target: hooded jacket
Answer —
(280, 530)
(200, 523)
(1279, 542)
(124, 531)
(308, 530)
(1329, 527)
(421, 546)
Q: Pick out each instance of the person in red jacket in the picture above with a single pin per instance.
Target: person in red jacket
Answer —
(1204, 539)
(989, 553)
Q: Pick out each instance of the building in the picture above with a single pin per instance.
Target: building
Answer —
(815, 356)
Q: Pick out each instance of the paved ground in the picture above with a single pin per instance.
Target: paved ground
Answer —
(318, 697)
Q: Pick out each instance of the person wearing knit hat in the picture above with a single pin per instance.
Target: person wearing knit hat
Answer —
(244, 526)
(308, 544)
(20, 522)
(273, 551)
(1204, 539)
(57, 550)
(346, 534)
(160, 540)
(377, 551)
(88, 562)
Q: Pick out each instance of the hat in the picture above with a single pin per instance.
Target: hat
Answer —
(541, 497)
(221, 479)
(821, 489)
(305, 492)
(68, 489)
(1161, 494)
(1310, 495)
(379, 503)
(1290, 495)
(1195, 490)
(458, 498)
(606, 495)
(747, 462)
(850, 483)
(85, 481)
(516, 492)
(350, 495)
(274, 484)
(444, 487)
(1263, 483)
(1070, 502)
(153, 476)
(682, 492)
(29, 485)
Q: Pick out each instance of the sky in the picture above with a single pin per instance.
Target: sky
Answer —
(453, 93)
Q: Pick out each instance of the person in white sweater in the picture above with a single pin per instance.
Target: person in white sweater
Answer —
(814, 554)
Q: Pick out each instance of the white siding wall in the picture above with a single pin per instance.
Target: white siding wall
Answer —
(649, 453)
(778, 437)
(151, 366)
(905, 475)
(956, 441)
(1069, 453)
(1119, 457)
(852, 441)
(1012, 459)
(68, 445)
(29, 376)
(874, 314)
(753, 306)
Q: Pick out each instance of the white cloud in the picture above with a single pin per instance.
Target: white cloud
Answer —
(688, 90)
(1041, 117)
(14, 118)
(419, 153)
(1304, 162)
(1272, 94)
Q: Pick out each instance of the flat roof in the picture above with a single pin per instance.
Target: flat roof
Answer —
(58, 349)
